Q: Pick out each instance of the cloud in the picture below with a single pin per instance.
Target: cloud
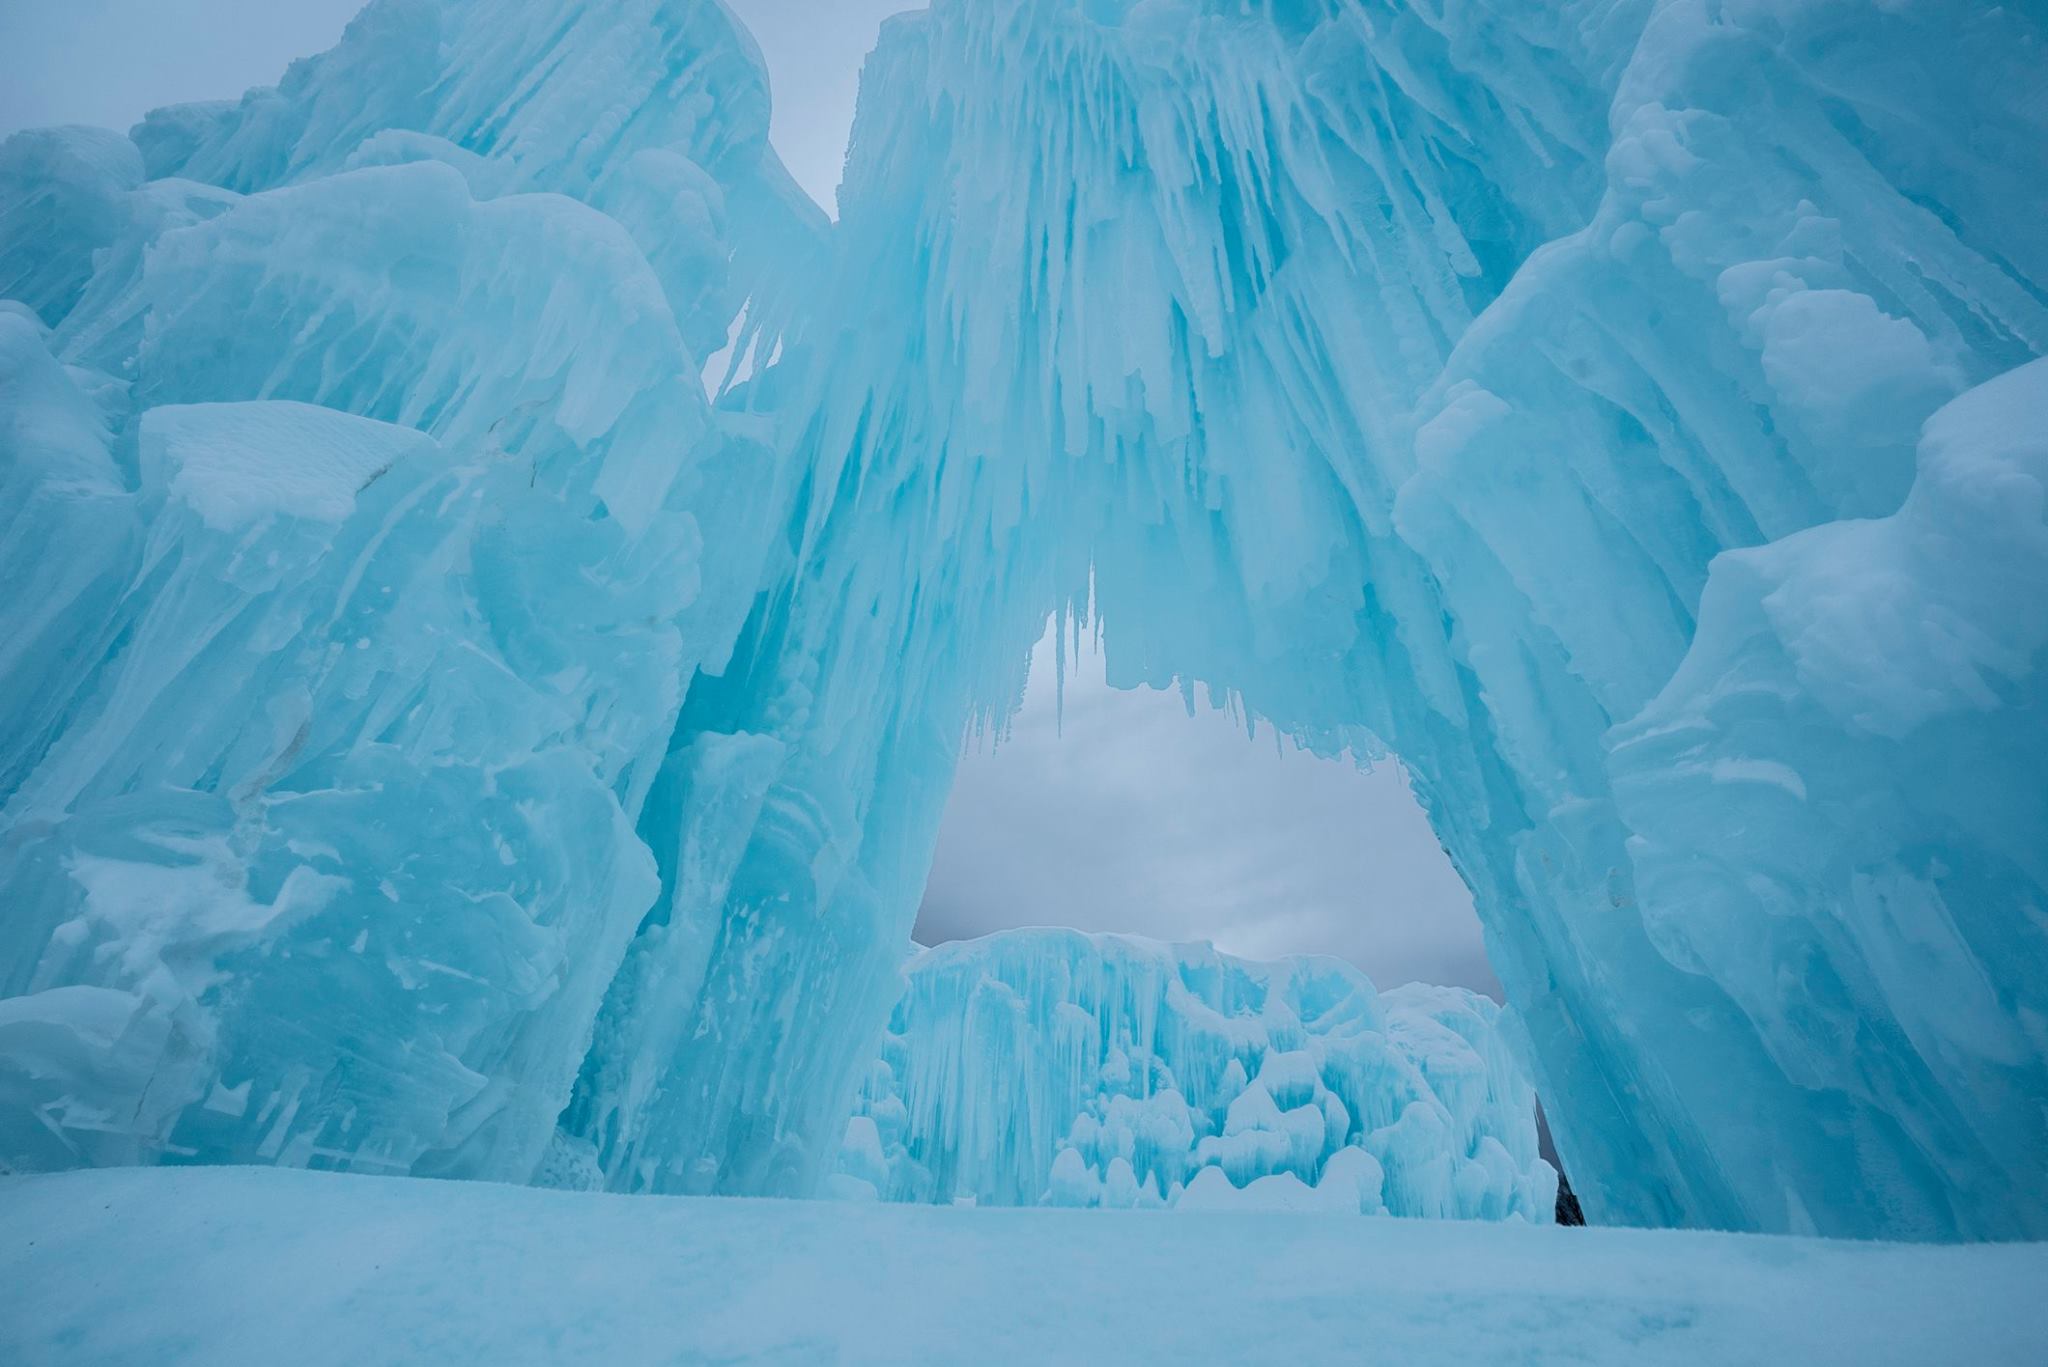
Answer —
(1133, 816)
(109, 62)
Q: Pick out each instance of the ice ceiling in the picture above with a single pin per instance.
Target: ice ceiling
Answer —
(434, 733)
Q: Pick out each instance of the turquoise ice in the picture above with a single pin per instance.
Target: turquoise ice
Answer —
(1049, 1067)
(435, 737)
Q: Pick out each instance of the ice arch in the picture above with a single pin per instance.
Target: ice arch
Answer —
(1535, 388)
(1470, 511)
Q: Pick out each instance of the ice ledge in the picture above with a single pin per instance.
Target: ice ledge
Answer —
(261, 1265)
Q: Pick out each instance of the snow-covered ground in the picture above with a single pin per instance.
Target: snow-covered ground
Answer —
(233, 1266)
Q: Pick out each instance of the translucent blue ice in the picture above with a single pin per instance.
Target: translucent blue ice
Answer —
(438, 739)
(1049, 1067)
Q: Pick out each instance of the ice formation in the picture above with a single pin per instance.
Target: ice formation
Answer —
(437, 739)
(370, 522)
(1049, 1067)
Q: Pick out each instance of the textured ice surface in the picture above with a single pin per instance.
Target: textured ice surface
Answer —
(467, 1272)
(1049, 1067)
(437, 739)
(355, 505)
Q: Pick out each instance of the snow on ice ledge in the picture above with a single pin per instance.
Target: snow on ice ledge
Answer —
(1052, 1067)
(215, 1266)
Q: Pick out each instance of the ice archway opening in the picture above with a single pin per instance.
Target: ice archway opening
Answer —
(1140, 811)
(1122, 371)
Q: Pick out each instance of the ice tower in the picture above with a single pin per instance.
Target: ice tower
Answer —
(438, 740)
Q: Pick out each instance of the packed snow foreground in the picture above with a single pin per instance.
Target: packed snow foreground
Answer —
(436, 739)
(213, 1266)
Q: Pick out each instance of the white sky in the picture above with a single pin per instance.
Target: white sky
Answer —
(112, 61)
(1131, 815)
(1139, 818)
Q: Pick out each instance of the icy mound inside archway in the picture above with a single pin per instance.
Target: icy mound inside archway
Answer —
(1052, 1067)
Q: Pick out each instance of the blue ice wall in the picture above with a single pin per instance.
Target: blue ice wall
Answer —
(1049, 1067)
(438, 739)
(364, 532)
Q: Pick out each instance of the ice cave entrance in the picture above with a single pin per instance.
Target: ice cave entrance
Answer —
(1131, 810)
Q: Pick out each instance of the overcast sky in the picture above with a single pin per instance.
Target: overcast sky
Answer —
(1138, 818)
(1134, 816)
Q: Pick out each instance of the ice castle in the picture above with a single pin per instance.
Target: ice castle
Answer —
(437, 738)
